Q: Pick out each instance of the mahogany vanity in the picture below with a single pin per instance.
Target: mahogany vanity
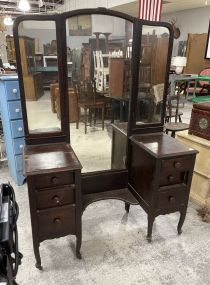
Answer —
(154, 170)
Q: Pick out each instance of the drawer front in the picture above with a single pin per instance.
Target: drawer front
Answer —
(18, 145)
(15, 111)
(171, 198)
(19, 163)
(176, 164)
(17, 128)
(55, 197)
(56, 222)
(13, 92)
(172, 177)
(53, 179)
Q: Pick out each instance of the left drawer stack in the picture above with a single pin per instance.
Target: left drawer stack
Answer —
(12, 121)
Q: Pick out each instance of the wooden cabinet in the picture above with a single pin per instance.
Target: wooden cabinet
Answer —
(54, 193)
(160, 175)
(33, 86)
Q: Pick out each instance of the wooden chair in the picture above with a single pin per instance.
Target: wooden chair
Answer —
(86, 98)
(174, 127)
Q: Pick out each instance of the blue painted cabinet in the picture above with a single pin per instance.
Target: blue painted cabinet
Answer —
(12, 121)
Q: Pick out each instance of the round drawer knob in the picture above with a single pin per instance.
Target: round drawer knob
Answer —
(17, 110)
(20, 129)
(21, 146)
(54, 180)
(177, 164)
(171, 199)
(56, 199)
(14, 91)
(57, 221)
(170, 178)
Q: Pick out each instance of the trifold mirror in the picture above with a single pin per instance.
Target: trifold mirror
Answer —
(97, 66)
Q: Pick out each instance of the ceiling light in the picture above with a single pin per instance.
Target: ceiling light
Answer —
(8, 21)
(24, 5)
(206, 2)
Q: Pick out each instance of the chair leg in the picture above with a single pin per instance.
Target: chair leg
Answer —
(102, 119)
(85, 117)
(180, 119)
(173, 134)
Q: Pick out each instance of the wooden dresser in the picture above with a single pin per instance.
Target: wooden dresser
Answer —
(54, 176)
(160, 175)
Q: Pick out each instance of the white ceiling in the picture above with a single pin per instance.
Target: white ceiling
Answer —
(171, 6)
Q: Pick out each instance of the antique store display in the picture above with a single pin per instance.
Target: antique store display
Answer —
(149, 169)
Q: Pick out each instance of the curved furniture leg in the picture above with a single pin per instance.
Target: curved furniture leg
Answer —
(37, 256)
(181, 221)
(127, 207)
(149, 229)
(78, 246)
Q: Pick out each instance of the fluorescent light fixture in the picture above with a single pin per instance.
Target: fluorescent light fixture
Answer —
(24, 5)
(8, 21)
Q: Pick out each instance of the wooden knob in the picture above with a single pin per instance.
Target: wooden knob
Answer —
(56, 199)
(177, 164)
(170, 178)
(57, 221)
(54, 180)
(171, 199)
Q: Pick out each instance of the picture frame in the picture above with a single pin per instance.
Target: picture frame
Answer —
(207, 53)
(80, 25)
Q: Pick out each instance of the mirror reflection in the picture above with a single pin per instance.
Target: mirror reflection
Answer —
(99, 64)
(38, 48)
(153, 60)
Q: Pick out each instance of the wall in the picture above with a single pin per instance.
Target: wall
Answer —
(189, 21)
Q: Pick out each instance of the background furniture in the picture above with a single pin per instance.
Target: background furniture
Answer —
(200, 189)
(12, 121)
(203, 81)
(32, 80)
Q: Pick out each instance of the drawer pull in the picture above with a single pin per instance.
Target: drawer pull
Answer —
(57, 221)
(56, 200)
(17, 110)
(170, 178)
(21, 146)
(54, 180)
(177, 164)
(14, 91)
(171, 199)
(20, 129)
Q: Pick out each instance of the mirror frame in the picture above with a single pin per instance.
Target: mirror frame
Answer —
(60, 21)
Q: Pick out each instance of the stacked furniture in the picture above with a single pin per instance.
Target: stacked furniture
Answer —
(12, 121)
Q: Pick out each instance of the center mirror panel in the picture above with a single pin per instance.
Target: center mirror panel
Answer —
(152, 73)
(99, 75)
(38, 50)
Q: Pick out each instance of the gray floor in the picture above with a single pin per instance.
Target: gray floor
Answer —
(114, 248)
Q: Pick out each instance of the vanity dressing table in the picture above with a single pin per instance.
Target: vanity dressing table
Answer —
(154, 170)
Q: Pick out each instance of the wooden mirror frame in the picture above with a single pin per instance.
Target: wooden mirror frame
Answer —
(60, 21)
(207, 52)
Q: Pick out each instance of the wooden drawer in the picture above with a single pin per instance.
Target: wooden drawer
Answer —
(18, 145)
(172, 177)
(171, 198)
(17, 128)
(54, 179)
(56, 222)
(12, 89)
(179, 164)
(15, 111)
(55, 197)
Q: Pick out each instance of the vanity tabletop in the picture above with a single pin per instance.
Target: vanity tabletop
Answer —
(46, 158)
(161, 145)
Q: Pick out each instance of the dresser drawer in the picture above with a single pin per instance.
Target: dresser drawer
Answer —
(55, 197)
(172, 177)
(54, 179)
(12, 89)
(176, 164)
(171, 198)
(15, 111)
(17, 128)
(19, 163)
(18, 145)
(56, 222)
